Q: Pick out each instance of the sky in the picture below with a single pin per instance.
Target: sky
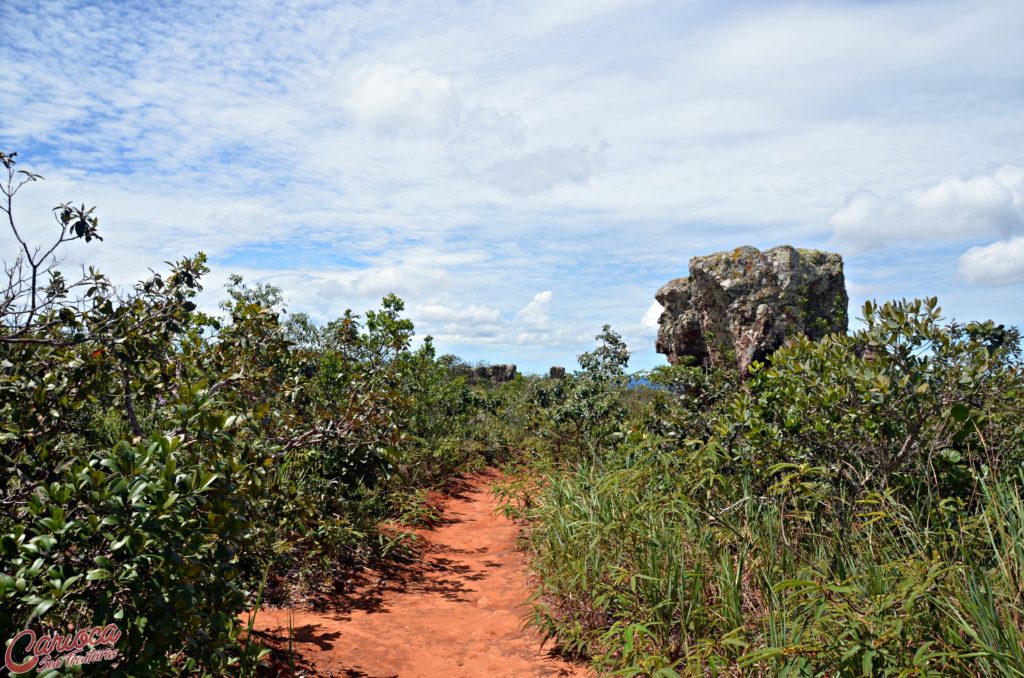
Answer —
(522, 173)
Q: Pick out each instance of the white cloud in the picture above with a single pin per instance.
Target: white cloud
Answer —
(535, 314)
(954, 209)
(393, 99)
(1001, 263)
(533, 327)
(548, 168)
(468, 155)
(468, 314)
(375, 283)
(650, 319)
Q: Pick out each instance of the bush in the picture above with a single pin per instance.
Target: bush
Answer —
(154, 536)
(164, 464)
(853, 509)
(905, 403)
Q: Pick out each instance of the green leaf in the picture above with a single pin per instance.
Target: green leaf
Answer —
(42, 607)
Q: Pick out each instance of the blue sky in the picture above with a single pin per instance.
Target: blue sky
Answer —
(522, 173)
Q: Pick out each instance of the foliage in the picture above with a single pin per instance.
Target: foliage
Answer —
(577, 414)
(854, 508)
(163, 462)
(902, 401)
(608, 361)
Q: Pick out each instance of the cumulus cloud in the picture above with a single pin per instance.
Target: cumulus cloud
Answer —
(650, 320)
(394, 99)
(1001, 263)
(535, 314)
(533, 326)
(954, 209)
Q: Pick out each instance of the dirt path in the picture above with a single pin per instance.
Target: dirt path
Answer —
(456, 614)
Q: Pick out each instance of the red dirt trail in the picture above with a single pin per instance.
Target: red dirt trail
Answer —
(457, 613)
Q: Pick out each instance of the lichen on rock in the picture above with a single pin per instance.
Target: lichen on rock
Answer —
(739, 306)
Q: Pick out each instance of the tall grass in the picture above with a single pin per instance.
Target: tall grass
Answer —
(645, 580)
(853, 508)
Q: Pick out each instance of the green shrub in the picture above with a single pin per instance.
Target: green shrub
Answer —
(154, 536)
(164, 463)
(853, 509)
(905, 403)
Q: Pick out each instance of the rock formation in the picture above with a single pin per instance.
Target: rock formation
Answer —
(496, 374)
(556, 372)
(739, 306)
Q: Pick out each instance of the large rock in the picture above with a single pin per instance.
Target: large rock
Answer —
(739, 306)
(497, 374)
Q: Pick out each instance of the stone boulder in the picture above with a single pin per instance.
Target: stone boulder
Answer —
(556, 372)
(739, 306)
(497, 374)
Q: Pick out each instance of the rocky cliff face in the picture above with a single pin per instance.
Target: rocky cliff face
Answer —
(497, 374)
(739, 306)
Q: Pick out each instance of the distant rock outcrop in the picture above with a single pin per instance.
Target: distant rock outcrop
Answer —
(739, 306)
(556, 372)
(496, 374)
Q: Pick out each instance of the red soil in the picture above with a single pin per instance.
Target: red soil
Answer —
(457, 613)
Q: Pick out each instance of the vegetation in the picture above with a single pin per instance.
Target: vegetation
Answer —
(855, 507)
(162, 463)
